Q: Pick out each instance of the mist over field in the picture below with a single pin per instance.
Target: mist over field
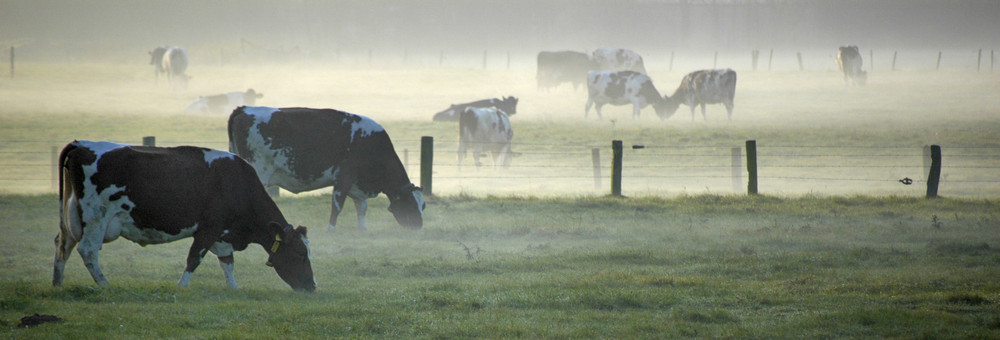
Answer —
(930, 64)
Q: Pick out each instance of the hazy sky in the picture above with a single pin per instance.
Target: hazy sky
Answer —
(476, 25)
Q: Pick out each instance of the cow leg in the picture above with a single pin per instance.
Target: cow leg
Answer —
(703, 116)
(361, 206)
(195, 254)
(89, 249)
(693, 106)
(635, 111)
(338, 203)
(224, 251)
(586, 109)
(597, 109)
(729, 109)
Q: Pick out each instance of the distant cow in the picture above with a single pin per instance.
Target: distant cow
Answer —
(175, 62)
(849, 61)
(223, 103)
(485, 130)
(507, 105)
(302, 149)
(625, 87)
(707, 87)
(156, 59)
(555, 68)
(618, 59)
(152, 195)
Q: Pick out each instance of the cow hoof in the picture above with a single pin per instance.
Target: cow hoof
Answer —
(331, 228)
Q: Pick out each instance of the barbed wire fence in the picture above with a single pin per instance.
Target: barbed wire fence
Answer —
(553, 169)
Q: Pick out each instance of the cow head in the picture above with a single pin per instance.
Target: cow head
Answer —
(250, 97)
(508, 105)
(407, 205)
(289, 255)
(666, 107)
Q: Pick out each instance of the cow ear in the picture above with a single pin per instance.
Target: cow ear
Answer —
(302, 230)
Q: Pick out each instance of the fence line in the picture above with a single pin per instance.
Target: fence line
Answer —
(654, 167)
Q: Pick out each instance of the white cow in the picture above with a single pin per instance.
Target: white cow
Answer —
(618, 59)
(625, 87)
(223, 103)
(485, 130)
(175, 62)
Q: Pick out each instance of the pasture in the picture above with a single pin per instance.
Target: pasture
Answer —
(536, 251)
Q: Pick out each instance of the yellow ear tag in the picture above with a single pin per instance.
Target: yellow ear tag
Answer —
(277, 242)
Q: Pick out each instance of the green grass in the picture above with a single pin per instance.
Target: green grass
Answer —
(528, 267)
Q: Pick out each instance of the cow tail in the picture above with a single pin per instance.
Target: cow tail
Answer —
(731, 83)
(230, 128)
(63, 227)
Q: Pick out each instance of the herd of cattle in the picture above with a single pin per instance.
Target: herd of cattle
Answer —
(153, 195)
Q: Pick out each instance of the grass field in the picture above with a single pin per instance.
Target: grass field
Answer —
(536, 251)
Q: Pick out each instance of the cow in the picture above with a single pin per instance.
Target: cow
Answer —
(555, 68)
(625, 87)
(175, 62)
(223, 103)
(302, 149)
(849, 61)
(485, 130)
(156, 59)
(707, 87)
(153, 195)
(507, 105)
(617, 59)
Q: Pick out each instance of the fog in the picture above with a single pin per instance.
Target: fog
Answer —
(102, 29)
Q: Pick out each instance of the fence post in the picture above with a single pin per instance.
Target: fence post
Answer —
(426, 163)
(737, 168)
(871, 61)
(934, 177)
(894, 60)
(979, 60)
(595, 154)
(770, 58)
(12, 62)
(752, 167)
(939, 62)
(671, 69)
(991, 61)
(753, 57)
(55, 167)
(616, 168)
(441, 59)
(149, 141)
(799, 55)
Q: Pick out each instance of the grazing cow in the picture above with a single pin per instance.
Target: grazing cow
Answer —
(507, 104)
(618, 59)
(625, 87)
(555, 68)
(175, 62)
(485, 129)
(152, 195)
(707, 87)
(156, 59)
(223, 103)
(849, 61)
(302, 149)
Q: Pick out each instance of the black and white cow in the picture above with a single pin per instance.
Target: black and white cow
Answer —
(617, 59)
(849, 61)
(485, 130)
(175, 63)
(707, 87)
(156, 59)
(507, 105)
(302, 149)
(555, 68)
(152, 195)
(625, 87)
(223, 103)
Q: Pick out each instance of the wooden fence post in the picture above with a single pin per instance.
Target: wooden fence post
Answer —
(616, 168)
(737, 168)
(426, 163)
(934, 177)
(799, 55)
(595, 154)
(939, 62)
(871, 61)
(770, 58)
(12, 62)
(149, 141)
(894, 60)
(979, 60)
(752, 167)
(753, 59)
